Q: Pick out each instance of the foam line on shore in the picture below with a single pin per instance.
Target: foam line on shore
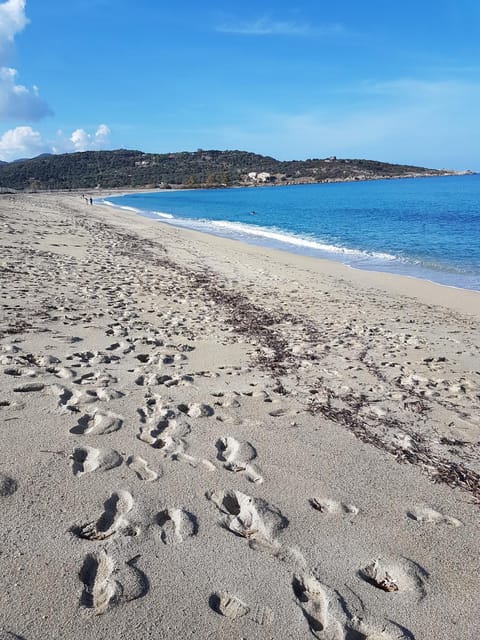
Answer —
(280, 239)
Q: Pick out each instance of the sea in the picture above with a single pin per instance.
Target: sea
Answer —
(426, 228)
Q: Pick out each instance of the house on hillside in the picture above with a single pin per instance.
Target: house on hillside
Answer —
(263, 176)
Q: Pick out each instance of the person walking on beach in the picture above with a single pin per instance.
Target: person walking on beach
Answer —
(91, 201)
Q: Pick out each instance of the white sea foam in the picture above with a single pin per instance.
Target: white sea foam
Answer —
(239, 229)
(117, 206)
(160, 214)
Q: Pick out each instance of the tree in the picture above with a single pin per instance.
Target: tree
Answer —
(211, 181)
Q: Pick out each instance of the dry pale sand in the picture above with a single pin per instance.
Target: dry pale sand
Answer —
(201, 439)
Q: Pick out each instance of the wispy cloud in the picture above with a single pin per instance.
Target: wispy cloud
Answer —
(413, 121)
(265, 26)
(422, 122)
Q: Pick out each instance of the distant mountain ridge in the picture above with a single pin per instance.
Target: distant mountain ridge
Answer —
(133, 169)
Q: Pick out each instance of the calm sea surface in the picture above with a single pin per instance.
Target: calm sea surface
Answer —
(425, 227)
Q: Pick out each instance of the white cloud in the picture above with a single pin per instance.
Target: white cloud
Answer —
(19, 102)
(25, 142)
(12, 21)
(266, 27)
(16, 101)
(19, 143)
(102, 133)
(83, 141)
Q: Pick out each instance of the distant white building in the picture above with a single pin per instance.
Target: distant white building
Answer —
(263, 176)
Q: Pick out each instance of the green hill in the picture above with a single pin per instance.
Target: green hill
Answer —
(129, 169)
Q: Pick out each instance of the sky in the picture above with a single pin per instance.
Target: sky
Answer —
(396, 82)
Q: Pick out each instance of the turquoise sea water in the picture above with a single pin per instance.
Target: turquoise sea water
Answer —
(425, 227)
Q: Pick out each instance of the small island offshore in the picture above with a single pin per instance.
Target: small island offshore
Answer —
(200, 169)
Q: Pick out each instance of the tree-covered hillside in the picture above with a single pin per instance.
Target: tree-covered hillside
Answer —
(123, 168)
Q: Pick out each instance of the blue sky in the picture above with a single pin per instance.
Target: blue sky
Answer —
(397, 82)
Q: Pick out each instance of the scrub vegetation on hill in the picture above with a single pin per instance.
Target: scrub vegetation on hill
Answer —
(129, 169)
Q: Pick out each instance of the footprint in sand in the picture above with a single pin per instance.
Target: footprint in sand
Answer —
(262, 616)
(161, 359)
(88, 459)
(112, 520)
(8, 486)
(108, 394)
(141, 468)
(176, 525)
(64, 373)
(89, 358)
(227, 400)
(237, 457)
(96, 377)
(426, 515)
(117, 330)
(253, 519)
(314, 603)
(63, 396)
(98, 423)
(101, 590)
(152, 407)
(228, 605)
(231, 607)
(162, 428)
(157, 379)
(124, 347)
(14, 371)
(40, 361)
(398, 575)
(327, 506)
(67, 399)
(196, 410)
(29, 387)
(106, 585)
(162, 431)
(360, 629)
(151, 380)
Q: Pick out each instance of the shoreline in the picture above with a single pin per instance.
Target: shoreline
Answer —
(464, 300)
(271, 246)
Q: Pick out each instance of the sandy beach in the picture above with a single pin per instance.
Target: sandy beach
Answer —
(205, 439)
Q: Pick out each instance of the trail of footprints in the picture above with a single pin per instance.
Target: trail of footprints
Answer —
(107, 582)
